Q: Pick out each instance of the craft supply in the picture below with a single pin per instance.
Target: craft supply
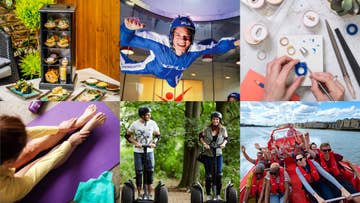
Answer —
(352, 29)
(304, 51)
(291, 50)
(247, 36)
(274, 2)
(256, 3)
(259, 32)
(311, 18)
(301, 69)
(340, 61)
(323, 89)
(260, 84)
(284, 41)
(350, 57)
(261, 55)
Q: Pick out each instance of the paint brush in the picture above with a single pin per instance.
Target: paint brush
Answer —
(323, 89)
(340, 61)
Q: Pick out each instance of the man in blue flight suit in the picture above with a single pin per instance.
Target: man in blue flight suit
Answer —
(169, 55)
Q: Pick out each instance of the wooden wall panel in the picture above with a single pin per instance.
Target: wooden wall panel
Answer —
(97, 35)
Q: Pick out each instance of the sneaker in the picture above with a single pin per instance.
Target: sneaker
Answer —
(146, 197)
(217, 197)
(140, 196)
(208, 197)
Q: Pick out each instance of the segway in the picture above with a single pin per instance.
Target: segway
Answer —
(128, 191)
(197, 190)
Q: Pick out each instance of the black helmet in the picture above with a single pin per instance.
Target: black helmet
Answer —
(234, 95)
(144, 110)
(216, 114)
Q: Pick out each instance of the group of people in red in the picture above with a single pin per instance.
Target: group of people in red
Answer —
(319, 170)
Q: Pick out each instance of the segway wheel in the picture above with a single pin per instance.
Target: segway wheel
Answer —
(231, 195)
(196, 195)
(162, 196)
(127, 194)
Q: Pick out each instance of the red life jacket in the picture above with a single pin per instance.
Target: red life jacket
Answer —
(330, 166)
(313, 175)
(279, 187)
(256, 185)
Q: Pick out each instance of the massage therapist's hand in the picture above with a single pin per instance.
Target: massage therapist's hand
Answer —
(277, 72)
(133, 23)
(67, 126)
(335, 88)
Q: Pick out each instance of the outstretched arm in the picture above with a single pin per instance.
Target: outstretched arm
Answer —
(224, 45)
(132, 34)
(247, 157)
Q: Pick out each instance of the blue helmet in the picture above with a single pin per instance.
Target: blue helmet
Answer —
(234, 95)
(182, 21)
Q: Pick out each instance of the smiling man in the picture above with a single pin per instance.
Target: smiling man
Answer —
(169, 55)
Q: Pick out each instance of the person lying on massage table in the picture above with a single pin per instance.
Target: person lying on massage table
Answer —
(20, 144)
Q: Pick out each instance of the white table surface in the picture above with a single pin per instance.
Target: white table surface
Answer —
(288, 21)
(83, 74)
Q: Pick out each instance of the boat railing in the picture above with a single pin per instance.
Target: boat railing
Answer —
(342, 198)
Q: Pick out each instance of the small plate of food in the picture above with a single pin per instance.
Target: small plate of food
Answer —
(63, 24)
(50, 23)
(52, 59)
(24, 90)
(89, 94)
(51, 41)
(56, 94)
(63, 42)
(52, 75)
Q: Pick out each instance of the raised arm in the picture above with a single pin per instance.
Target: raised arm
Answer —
(247, 157)
(132, 34)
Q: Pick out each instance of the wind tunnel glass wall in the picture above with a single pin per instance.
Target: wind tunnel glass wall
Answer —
(201, 81)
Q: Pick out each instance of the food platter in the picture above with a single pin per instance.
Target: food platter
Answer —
(89, 94)
(24, 90)
(101, 85)
(56, 94)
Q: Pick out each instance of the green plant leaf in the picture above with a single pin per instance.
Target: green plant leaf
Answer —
(30, 65)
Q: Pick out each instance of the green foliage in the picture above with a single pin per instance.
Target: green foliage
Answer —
(30, 65)
(28, 12)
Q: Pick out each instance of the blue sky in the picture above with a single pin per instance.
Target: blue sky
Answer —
(274, 113)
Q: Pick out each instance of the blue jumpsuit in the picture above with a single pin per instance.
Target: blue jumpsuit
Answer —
(162, 61)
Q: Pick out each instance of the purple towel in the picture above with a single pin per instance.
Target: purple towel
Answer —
(98, 153)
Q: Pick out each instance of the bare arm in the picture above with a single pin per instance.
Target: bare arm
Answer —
(267, 191)
(247, 157)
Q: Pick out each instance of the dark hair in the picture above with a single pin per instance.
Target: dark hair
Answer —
(325, 144)
(12, 137)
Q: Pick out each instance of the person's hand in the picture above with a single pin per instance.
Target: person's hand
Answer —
(345, 193)
(306, 134)
(152, 145)
(243, 149)
(222, 146)
(67, 126)
(206, 146)
(237, 43)
(257, 146)
(334, 87)
(318, 198)
(138, 145)
(133, 23)
(277, 72)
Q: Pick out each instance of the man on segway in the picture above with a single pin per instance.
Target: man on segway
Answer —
(214, 138)
(146, 135)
